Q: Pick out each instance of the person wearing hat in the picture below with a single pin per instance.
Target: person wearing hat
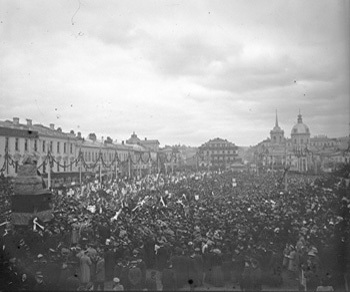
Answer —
(85, 271)
(199, 267)
(168, 278)
(255, 275)
(110, 261)
(99, 278)
(40, 284)
(117, 286)
(217, 274)
(245, 283)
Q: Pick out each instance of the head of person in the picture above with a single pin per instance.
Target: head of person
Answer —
(116, 281)
(39, 278)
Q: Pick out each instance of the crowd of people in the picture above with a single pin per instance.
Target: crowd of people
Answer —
(189, 229)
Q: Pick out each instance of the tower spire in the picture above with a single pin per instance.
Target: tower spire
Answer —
(276, 124)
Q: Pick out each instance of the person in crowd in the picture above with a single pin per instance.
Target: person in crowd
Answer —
(99, 274)
(40, 284)
(255, 276)
(160, 214)
(168, 278)
(116, 285)
(85, 264)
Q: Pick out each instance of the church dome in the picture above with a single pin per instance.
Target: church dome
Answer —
(300, 127)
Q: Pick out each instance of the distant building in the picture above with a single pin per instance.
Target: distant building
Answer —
(38, 140)
(152, 145)
(300, 152)
(217, 153)
(71, 155)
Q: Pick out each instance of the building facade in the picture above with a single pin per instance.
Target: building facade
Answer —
(300, 152)
(65, 158)
(217, 154)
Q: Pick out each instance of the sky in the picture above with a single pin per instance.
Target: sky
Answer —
(177, 71)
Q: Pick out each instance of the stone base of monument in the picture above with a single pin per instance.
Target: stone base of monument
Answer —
(30, 200)
(26, 207)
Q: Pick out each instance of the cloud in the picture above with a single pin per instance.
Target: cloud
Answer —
(177, 71)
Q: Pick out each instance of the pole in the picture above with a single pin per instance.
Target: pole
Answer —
(49, 174)
(116, 166)
(172, 165)
(100, 169)
(158, 162)
(286, 181)
(129, 168)
(80, 166)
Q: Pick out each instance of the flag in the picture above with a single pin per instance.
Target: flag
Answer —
(115, 218)
(92, 208)
(162, 201)
(37, 224)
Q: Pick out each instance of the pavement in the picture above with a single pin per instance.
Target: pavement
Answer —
(288, 285)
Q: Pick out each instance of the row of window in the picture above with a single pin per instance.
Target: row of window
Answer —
(44, 146)
(221, 145)
(221, 152)
(93, 156)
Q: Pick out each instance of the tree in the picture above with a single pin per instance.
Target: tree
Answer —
(92, 136)
(109, 140)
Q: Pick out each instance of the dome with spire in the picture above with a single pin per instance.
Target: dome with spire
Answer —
(300, 127)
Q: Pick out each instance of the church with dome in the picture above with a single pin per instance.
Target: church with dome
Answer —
(300, 152)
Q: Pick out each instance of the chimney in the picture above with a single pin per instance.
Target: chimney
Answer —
(145, 138)
(29, 122)
(123, 142)
(16, 121)
(72, 132)
(52, 126)
(79, 135)
(59, 129)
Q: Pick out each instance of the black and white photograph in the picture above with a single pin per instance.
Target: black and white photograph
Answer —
(174, 145)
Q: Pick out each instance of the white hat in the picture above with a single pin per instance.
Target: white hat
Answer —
(40, 256)
(116, 280)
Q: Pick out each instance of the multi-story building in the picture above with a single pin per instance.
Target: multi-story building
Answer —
(16, 140)
(43, 142)
(65, 157)
(145, 154)
(300, 152)
(217, 153)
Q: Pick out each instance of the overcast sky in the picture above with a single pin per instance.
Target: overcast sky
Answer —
(177, 71)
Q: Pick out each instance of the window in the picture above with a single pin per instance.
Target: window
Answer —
(71, 148)
(25, 144)
(35, 145)
(17, 144)
(51, 146)
(58, 147)
(44, 167)
(44, 146)
(7, 143)
(64, 165)
(70, 166)
(58, 167)
(64, 147)
(16, 166)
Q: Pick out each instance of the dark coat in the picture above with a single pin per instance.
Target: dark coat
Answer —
(169, 279)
